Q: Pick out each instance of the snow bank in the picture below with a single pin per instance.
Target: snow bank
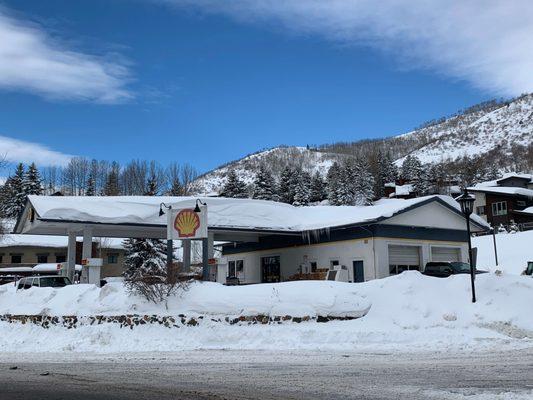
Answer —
(514, 251)
(290, 298)
(409, 312)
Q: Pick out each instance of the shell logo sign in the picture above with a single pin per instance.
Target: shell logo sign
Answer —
(185, 223)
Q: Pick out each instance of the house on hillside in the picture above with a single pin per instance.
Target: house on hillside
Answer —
(505, 200)
(30, 250)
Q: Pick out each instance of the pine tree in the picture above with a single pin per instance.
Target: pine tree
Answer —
(420, 180)
(144, 258)
(346, 184)
(14, 193)
(287, 185)
(32, 181)
(234, 187)
(91, 187)
(111, 187)
(264, 185)
(386, 172)
(363, 184)
(302, 189)
(333, 183)
(318, 188)
(410, 166)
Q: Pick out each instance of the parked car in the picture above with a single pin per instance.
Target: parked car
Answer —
(446, 269)
(53, 281)
(529, 269)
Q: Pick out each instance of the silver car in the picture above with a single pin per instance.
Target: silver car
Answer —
(53, 281)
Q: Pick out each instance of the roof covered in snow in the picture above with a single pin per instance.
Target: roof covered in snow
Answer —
(508, 175)
(223, 213)
(16, 240)
(516, 191)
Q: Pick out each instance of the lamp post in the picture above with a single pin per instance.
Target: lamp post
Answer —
(170, 245)
(205, 245)
(466, 200)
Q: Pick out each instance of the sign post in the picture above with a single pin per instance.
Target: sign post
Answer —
(189, 224)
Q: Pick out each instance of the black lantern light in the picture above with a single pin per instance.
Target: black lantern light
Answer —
(197, 208)
(466, 200)
(161, 212)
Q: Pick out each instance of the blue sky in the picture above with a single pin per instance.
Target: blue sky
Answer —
(204, 83)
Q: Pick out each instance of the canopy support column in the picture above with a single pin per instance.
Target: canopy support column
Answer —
(86, 252)
(186, 244)
(71, 255)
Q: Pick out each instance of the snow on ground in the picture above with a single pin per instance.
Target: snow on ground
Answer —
(514, 251)
(409, 312)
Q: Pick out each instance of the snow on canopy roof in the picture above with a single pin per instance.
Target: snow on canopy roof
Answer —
(16, 240)
(223, 212)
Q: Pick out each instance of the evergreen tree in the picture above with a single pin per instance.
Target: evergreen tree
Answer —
(145, 258)
(176, 189)
(32, 181)
(287, 183)
(234, 187)
(333, 183)
(410, 167)
(363, 184)
(302, 189)
(264, 185)
(345, 191)
(386, 172)
(111, 187)
(318, 188)
(420, 180)
(14, 193)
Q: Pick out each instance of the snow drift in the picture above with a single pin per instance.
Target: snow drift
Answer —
(409, 312)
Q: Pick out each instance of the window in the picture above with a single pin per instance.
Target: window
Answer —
(480, 210)
(112, 258)
(499, 208)
(520, 203)
(1, 258)
(236, 269)
(61, 258)
(16, 258)
(333, 263)
(42, 258)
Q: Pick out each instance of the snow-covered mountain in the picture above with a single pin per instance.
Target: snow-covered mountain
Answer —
(277, 159)
(502, 131)
(499, 128)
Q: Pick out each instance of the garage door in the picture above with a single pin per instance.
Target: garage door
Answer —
(404, 255)
(445, 254)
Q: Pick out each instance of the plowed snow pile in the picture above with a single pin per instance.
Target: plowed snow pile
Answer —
(409, 312)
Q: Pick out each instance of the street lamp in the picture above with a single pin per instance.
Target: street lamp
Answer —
(466, 200)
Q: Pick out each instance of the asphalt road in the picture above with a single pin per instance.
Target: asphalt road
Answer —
(255, 375)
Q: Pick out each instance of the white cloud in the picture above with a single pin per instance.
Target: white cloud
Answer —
(32, 61)
(15, 150)
(488, 43)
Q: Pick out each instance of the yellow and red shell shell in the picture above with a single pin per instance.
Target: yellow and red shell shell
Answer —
(186, 223)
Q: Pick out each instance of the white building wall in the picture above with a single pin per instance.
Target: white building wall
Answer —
(373, 252)
(382, 251)
(481, 201)
(291, 258)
